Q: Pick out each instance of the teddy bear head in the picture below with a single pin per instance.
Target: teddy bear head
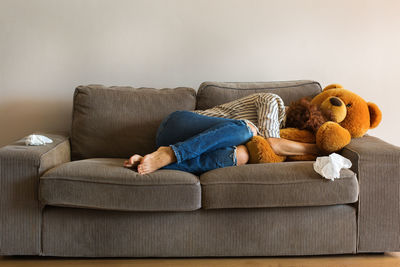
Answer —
(348, 109)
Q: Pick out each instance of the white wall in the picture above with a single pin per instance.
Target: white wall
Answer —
(48, 47)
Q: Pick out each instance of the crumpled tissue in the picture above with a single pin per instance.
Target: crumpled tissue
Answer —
(329, 167)
(37, 140)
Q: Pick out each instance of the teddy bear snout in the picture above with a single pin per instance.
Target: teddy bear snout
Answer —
(334, 109)
(335, 101)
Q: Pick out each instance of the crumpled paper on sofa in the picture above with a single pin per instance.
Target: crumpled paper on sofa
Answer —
(37, 140)
(329, 167)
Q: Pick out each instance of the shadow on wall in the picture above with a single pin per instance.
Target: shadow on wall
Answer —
(21, 118)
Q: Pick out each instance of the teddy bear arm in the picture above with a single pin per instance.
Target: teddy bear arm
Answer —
(332, 137)
(308, 157)
(298, 135)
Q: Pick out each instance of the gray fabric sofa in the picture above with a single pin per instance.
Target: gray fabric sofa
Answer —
(73, 197)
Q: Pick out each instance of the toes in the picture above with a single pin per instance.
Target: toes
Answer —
(141, 169)
(146, 164)
(146, 171)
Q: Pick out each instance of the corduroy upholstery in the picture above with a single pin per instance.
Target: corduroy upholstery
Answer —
(226, 232)
(111, 122)
(20, 211)
(104, 184)
(286, 184)
(377, 165)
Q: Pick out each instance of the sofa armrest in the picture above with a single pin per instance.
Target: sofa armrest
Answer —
(377, 165)
(20, 210)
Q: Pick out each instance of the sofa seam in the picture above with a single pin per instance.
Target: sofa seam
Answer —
(200, 91)
(131, 88)
(279, 206)
(71, 205)
(248, 183)
(91, 182)
(262, 88)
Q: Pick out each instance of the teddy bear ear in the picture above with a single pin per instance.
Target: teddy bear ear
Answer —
(375, 115)
(333, 86)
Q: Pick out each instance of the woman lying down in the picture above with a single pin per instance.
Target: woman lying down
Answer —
(203, 140)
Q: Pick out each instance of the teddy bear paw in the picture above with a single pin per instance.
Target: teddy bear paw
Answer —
(332, 137)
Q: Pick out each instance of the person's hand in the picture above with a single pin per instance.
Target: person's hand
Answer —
(253, 129)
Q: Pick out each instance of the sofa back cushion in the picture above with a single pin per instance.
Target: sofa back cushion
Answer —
(116, 122)
(211, 94)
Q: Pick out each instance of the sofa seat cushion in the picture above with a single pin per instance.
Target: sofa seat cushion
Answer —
(285, 184)
(102, 183)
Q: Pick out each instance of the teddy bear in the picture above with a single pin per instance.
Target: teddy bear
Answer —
(330, 120)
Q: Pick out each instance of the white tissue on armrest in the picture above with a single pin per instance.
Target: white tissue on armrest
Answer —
(329, 167)
(37, 140)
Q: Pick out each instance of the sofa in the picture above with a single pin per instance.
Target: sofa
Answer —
(73, 198)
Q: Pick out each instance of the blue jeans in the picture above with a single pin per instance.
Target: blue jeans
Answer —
(202, 143)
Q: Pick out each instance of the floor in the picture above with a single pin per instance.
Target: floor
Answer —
(365, 260)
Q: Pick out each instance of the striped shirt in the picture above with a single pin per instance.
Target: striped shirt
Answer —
(264, 110)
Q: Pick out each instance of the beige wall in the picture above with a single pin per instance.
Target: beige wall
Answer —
(48, 47)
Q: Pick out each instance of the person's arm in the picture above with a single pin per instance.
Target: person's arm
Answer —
(284, 147)
(271, 113)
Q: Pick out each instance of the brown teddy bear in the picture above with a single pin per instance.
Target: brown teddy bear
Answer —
(330, 120)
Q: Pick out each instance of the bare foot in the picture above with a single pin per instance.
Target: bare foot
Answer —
(133, 161)
(156, 160)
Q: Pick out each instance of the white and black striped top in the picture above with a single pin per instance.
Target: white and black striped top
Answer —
(265, 110)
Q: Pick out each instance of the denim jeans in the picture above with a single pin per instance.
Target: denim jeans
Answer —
(202, 143)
